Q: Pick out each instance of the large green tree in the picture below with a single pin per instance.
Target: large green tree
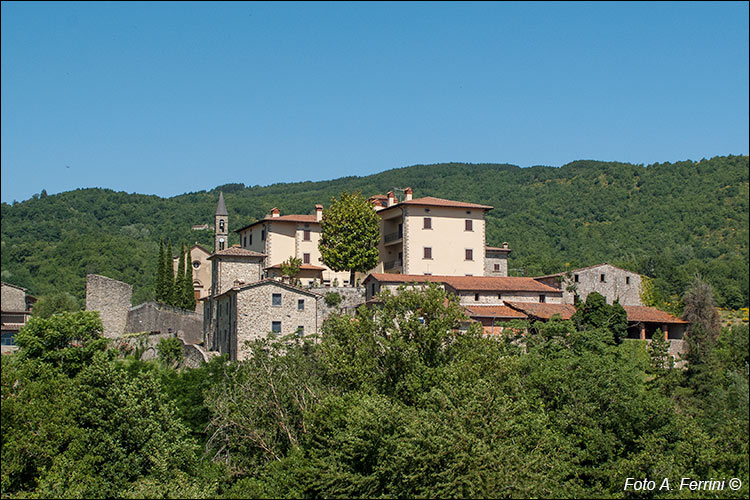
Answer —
(350, 235)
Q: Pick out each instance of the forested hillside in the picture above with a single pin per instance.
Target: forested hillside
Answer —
(669, 221)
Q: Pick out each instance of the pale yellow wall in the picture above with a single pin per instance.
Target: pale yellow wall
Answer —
(202, 273)
(447, 238)
(257, 245)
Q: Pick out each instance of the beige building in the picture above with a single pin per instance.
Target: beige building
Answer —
(16, 311)
(280, 237)
(249, 312)
(612, 282)
(431, 236)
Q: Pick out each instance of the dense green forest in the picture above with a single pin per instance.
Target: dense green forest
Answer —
(669, 221)
(386, 404)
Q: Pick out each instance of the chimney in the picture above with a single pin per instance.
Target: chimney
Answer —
(275, 212)
(505, 245)
(238, 283)
(318, 213)
(408, 193)
(391, 199)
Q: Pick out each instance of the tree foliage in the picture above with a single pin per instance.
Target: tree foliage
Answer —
(350, 233)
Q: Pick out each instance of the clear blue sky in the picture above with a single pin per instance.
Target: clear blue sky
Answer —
(167, 98)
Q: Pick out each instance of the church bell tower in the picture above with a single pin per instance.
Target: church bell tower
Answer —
(221, 225)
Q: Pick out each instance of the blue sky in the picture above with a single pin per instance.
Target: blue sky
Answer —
(167, 98)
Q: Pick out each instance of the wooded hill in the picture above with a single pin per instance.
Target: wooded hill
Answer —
(669, 221)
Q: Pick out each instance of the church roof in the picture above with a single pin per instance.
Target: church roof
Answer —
(221, 208)
(235, 251)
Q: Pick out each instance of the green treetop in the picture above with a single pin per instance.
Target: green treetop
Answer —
(350, 235)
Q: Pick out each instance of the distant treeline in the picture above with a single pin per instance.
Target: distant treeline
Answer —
(669, 221)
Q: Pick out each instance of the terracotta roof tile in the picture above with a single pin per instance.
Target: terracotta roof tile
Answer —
(235, 252)
(471, 283)
(497, 249)
(643, 314)
(542, 310)
(494, 312)
(440, 202)
(283, 218)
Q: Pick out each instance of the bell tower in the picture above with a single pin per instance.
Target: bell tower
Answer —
(221, 225)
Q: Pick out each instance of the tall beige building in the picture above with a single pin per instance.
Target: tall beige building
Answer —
(280, 237)
(432, 236)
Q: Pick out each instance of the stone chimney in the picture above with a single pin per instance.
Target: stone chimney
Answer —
(391, 199)
(408, 192)
(275, 212)
(505, 245)
(238, 283)
(318, 213)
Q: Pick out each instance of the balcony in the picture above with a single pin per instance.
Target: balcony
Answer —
(394, 237)
(392, 264)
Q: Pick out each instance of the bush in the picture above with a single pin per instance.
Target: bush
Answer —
(332, 299)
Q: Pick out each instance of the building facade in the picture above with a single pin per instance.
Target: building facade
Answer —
(16, 311)
(249, 312)
(612, 282)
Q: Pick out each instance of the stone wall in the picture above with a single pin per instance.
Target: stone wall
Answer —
(153, 317)
(617, 284)
(351, 299)
(494, 257)
(225, 270)
(491, 298)
(112, 299)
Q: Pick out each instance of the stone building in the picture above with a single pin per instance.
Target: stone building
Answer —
(16, 310)
(248, 312)
(612, 282)
(496, 260)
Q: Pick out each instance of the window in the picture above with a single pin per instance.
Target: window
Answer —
(500, 296)
(427, 223)
(196, 264)
(469, 225)
(305, 258)
(251, 239)
(244, 241)
(276, 326)
(469, 254)
(497, 268)
(221, 243)
(476, 297)
(627, 280)
(276, 299)
(542, 299)
(306, 235)
(263, 234)
(427, 253)
(300, 331)
(221, 225)
(301, 304)
(601, 278)
(575, 278)
(8, 338)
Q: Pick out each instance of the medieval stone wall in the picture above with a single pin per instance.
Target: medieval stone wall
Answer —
(13, 298)
(226, 270)
(153, 317)
(351, 299)
(112, 299)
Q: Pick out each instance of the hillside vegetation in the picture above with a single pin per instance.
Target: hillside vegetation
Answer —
(669, 221)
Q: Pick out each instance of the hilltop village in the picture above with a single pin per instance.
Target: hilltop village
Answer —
(242, 294)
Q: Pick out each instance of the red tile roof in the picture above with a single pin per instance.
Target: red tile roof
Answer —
(235, 252)
(494, 312)
(283, 218)
(643, 314)
(470, 283)
(543, 310)
(497, 249)
(440, 202)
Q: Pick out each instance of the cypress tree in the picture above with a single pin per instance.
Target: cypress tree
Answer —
(189, 294)
(160, 274)
(168, 276)
(179, 280)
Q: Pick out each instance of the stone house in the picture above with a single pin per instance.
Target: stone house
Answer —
(16, 311)
(248, 312)
(614, 283)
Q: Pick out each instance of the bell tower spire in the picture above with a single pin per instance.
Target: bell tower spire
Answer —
(221, 225)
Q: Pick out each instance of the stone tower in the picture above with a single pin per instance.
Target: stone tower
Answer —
(221, 225)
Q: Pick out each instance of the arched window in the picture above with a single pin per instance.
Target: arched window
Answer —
(221, 225)
(221, 243)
